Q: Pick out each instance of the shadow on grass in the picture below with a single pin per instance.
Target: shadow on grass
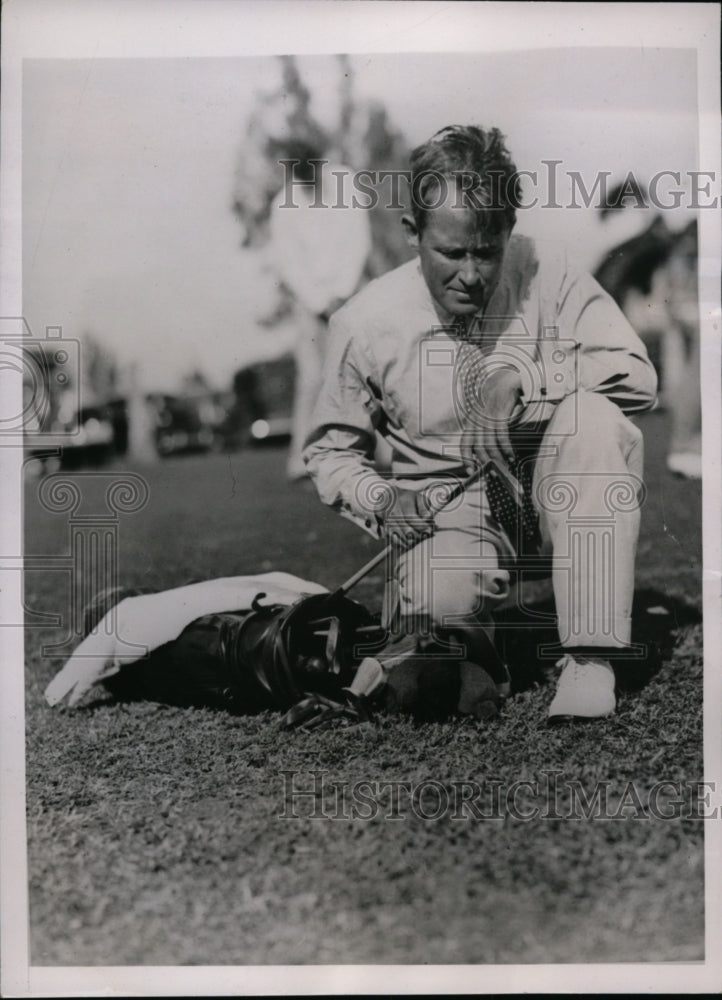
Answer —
(428, 690)
(656, 617)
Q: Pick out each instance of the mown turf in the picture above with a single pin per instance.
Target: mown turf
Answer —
(156, 835)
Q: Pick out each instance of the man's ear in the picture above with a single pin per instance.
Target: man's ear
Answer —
(412, 233)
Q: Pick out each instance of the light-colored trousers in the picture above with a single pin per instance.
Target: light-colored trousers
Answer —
(587, 489)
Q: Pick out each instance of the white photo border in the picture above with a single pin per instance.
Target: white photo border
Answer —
(213, 28)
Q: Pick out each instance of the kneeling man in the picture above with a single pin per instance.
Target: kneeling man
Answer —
(490, 349)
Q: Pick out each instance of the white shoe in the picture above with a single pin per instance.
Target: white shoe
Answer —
(585, 689)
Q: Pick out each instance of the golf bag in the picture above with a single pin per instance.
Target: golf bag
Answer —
(300, 658)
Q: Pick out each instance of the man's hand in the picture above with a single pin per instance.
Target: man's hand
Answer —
(487, 437)
(409, 519)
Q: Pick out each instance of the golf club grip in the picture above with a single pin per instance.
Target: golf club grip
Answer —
(460, 488)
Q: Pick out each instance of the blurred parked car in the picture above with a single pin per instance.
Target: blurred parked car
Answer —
(260, 413)
(180, 425)
(94, 441)
(275, 430)
(86, 438)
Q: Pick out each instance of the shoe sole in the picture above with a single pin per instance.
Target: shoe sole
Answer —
(556, 720)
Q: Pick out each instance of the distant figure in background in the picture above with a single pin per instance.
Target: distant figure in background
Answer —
(141, 421)
(681, 298)
(653, 278)
(319, 252)
(248, 406)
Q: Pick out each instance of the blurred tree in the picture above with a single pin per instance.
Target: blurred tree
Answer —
(283, 126)
(317, 258)
(195, 383)
(385, 149)
(280, 124)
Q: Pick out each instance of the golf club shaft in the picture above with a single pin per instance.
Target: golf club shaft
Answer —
(460, 488)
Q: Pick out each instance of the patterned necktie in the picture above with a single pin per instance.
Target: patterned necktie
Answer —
(515, 514)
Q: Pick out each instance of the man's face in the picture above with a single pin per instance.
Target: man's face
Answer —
(460, 259)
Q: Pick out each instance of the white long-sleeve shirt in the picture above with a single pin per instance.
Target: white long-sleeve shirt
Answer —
(392, 368)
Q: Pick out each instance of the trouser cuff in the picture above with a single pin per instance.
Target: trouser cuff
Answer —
(603, 651)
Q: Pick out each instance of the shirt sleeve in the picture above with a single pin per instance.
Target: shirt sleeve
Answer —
(340, 448)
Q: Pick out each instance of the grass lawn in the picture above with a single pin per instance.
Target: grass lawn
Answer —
(155, 834)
